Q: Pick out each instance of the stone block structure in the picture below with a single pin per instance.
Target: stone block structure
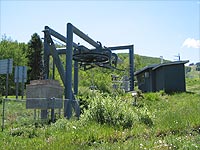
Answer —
(44, 94)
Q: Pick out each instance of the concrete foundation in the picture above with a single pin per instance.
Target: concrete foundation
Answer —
(44, 94)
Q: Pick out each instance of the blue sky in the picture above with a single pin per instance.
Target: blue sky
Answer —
(156, 28)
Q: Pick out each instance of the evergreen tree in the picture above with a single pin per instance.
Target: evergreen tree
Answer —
(34, 56)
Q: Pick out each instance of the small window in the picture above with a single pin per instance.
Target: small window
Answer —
(146, 74)
(140, 79)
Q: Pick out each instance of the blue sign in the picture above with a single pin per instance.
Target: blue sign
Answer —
(6, 66)
(20, 74)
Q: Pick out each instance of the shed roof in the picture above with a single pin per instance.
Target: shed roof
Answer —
(155, 66)
(145, 68)
(170, 63)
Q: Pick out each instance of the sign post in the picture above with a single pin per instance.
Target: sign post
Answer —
(20, 77)
(5, 68)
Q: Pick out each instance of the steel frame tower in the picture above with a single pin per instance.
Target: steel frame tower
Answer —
(79, 54)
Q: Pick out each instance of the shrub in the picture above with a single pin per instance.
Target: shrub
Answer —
(152, 96)
(115, 112)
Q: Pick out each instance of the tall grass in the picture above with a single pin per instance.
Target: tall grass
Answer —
(157, 121)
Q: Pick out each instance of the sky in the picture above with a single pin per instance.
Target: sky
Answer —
(155, 28)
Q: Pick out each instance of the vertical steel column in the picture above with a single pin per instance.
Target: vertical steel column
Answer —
(75, 77)
(68, 72)
(46, 58)
(44, 113)
(131, 63)
(53, 77)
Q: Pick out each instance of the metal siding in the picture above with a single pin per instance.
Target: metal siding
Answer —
(175, 78)
(148, 82)
(151, 81)
(145, 84)
(141, 82)
(153, 74)
(170, 78)
(160, 82)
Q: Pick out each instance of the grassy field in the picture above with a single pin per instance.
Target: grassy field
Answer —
(193, 73)
(157, 121)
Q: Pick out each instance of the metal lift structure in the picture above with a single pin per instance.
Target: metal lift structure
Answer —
(82, 57)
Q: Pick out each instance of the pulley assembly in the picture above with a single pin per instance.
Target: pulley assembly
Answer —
(89, 58)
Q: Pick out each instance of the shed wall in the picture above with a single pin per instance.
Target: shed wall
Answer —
(159, 79)
(170, 78)
(175, 78)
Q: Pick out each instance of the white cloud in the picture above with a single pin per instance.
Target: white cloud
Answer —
(190, 42)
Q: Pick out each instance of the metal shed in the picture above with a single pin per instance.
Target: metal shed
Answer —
(169, 77)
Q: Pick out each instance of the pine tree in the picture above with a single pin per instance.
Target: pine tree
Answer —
(34, 56)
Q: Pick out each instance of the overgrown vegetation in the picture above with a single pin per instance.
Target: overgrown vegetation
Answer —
(156, 121)
(110, 119)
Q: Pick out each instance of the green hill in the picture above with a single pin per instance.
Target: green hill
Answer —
(145, 60)
(193, 73)
(110, 119)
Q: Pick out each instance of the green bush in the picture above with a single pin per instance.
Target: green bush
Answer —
(115, 112)
(152, 96)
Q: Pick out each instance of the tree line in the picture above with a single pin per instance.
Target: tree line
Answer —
(31, 55)
(23, 54)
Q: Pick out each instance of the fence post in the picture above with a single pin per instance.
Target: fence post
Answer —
(3, 112)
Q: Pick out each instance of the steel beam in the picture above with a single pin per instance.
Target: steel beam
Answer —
(61, 50)
(56, 57)
(84, 36)
(75, 77)
(68, 72)
(46, 58)
(66, 75)
(120, 47)
(58, 36)
(131, 62)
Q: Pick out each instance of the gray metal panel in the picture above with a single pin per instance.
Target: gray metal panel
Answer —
(20, 74)
(44, 103)
(6, 66)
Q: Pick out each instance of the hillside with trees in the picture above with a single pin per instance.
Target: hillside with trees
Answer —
(31, 54)
(110, 119)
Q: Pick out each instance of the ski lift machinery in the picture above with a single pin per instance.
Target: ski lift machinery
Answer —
(83, 57)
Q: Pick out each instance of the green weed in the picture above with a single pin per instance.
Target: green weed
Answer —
(161, 121)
